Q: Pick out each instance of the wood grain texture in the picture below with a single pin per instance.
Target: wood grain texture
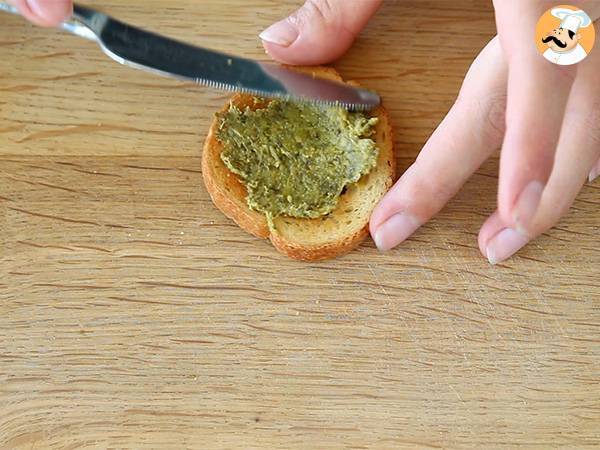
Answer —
(134, 315)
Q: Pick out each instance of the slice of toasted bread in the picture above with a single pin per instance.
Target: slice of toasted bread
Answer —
(305, 239)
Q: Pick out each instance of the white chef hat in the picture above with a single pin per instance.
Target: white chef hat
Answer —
(572, 20)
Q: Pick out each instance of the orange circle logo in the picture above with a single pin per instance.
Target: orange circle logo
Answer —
(565, 35)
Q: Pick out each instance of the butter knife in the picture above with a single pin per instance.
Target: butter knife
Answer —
(152, 52)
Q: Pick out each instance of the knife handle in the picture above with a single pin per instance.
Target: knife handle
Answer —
(80, 24)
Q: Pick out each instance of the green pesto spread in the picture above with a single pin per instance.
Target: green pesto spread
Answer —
(295, 159)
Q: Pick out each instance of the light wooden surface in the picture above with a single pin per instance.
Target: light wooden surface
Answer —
(134, 315)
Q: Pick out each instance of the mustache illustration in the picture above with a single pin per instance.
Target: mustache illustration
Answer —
(556, 41)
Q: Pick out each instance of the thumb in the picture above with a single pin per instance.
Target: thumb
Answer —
(319, 32)
(44, 12)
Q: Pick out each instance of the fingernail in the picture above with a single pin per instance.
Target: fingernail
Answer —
(527, 205)
(505, 244)
(594, 173)
(395, 230)
(282, 33)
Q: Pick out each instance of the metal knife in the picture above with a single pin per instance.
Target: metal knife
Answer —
(149, 51)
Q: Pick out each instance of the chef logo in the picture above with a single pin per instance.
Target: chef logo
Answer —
(565, 35)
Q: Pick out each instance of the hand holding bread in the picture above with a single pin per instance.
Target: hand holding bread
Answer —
(524, 114)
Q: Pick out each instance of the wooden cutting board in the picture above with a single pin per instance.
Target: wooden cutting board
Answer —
(134, 315)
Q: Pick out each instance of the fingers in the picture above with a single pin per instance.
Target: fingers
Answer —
(498, 242)
(537, 96)
(576, 157)
(44, 12)
(319, 32)
(471, 131)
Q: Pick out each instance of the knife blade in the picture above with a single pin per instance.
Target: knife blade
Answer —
(141, 49)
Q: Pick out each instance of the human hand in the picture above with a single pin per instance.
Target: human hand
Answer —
(546, 119)
(46, 13)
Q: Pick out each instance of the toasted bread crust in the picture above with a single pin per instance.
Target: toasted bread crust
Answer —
(322, 252)
(229, 194)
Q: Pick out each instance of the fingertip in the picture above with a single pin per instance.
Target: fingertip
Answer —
(374, 222)
(389, 205)
(395, 230)
(303, 50)
(281, 34)
(319, 32)
(499, 242)
(378, 216)
(49, 13)
(490, 228)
